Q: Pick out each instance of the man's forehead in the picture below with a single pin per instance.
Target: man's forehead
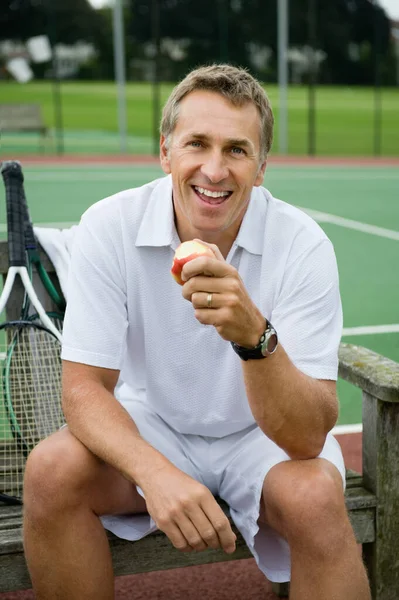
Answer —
(203, 114)
(201, 99)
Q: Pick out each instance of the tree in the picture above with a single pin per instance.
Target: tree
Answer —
(346, 31)
(64, 22)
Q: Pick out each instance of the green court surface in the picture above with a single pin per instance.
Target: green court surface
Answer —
(358, 207)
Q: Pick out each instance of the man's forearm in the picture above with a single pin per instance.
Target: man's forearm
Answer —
(99, 421)
(293, 409)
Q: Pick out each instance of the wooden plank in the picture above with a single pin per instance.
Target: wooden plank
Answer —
(153, 553)
(353, 479)
(373, 373)
(156, 553)
(13, 573)
(363, 523)
(381, 476)
(358, 498)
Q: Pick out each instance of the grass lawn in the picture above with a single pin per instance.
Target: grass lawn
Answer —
(344, 120)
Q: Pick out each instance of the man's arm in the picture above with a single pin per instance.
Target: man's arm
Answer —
(293, 409)
(100, 422)
(181, 507)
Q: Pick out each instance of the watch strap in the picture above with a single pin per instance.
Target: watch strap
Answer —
(259, 351)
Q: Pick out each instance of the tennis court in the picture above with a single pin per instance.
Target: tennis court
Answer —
(357, 206)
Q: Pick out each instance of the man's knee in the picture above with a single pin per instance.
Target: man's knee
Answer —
(55, 474)
(304, 500)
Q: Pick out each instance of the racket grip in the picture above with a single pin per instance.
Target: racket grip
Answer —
(13, 181)
(30, 239)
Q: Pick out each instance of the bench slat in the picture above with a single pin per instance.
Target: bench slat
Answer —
(21, 117)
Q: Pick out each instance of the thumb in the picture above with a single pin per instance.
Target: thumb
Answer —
(214, 249)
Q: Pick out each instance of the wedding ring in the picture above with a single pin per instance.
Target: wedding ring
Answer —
(209, 300)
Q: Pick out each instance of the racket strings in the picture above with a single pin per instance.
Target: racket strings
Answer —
(31, 399)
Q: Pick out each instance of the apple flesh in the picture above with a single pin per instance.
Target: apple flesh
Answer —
(184, 253)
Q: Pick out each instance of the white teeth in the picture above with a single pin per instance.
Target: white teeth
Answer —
(211, 194)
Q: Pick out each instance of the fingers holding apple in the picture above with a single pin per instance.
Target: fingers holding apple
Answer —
(184, 253)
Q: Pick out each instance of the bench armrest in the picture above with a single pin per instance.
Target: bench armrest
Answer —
(373, 373)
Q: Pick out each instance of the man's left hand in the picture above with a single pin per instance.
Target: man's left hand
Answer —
(220, 298)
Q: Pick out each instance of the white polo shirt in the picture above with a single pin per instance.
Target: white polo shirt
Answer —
(126, 312)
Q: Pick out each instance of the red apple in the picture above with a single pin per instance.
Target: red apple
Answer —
(186, 252)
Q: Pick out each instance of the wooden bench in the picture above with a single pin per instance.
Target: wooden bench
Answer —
(23, 118)
(372, 498)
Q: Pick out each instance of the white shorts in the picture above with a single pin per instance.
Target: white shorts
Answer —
(233, 467)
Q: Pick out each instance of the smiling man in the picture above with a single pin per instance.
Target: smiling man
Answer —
(225, 386)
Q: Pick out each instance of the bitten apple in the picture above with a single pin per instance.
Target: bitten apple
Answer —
(184, 253)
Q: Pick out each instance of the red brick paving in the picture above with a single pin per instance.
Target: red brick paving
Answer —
(237, 580)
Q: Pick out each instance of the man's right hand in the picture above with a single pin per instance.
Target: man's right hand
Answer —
(187, 512)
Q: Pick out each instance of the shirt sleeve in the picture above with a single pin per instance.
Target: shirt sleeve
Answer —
(308, 313)
(96, 316)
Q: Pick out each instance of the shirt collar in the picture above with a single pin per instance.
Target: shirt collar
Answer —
(158, 224)
(251, 235)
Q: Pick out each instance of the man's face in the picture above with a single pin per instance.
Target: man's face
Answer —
(214, 159)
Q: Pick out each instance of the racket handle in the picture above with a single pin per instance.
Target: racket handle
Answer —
(30, 239)
(13, 181)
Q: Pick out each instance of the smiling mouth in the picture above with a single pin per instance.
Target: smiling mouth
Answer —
(211, 197)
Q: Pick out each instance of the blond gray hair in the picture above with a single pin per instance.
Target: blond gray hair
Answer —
(235, 84)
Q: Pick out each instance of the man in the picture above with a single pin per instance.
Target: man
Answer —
(224, 386)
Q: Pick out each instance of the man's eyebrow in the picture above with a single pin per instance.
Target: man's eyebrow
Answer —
(242, 142)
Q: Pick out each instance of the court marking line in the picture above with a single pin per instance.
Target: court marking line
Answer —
(92, 173)
(345, 429)
(322, 217)
(56, 225)
(370, 329)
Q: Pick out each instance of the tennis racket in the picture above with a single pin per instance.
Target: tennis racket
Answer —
(33, 258)
(30, 386)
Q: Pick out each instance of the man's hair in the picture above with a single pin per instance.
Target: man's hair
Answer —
(235, 84)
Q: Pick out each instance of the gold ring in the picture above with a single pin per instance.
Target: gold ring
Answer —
(209, 300)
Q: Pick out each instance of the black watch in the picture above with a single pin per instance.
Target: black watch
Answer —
(267, 345)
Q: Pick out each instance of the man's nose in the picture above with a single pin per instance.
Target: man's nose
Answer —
(215, 167)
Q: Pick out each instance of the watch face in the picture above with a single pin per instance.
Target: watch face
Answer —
(272, 343)
(269, 344)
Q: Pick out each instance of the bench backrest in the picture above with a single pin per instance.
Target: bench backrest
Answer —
(21, 117)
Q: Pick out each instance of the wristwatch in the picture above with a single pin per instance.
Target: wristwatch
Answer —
(267, 345)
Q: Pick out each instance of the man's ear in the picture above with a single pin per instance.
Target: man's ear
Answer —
(164, 155)
(261, 173)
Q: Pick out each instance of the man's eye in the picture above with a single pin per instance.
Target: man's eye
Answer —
(237, 150)
(195, 144)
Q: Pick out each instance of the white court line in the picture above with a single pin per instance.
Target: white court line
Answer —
(94, 174)
(322, 217)
(60, 225)
(343, 429)
(316, 215)
(371, 329)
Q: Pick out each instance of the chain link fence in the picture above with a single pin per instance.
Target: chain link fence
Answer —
(343, 73)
